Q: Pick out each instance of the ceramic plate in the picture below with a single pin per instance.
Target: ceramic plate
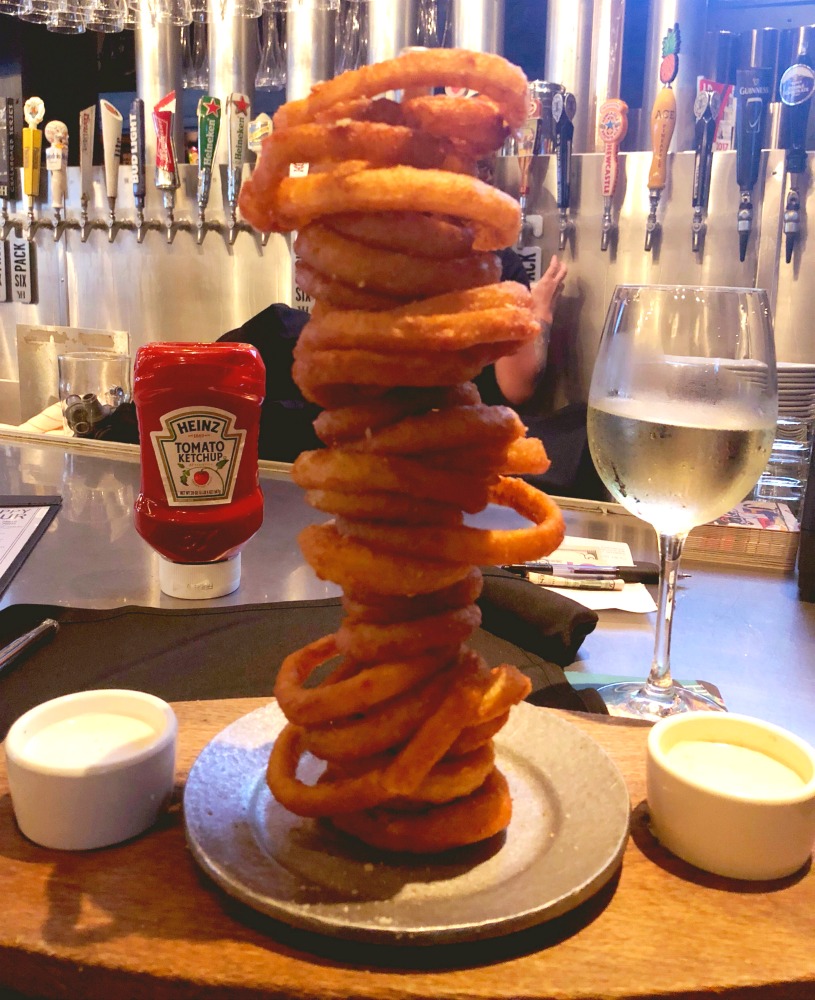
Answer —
(566, 839)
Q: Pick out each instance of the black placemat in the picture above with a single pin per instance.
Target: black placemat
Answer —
(188, 654)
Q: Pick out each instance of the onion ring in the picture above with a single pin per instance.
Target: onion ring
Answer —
(495, 216)
(483, 72)
(355, 472)
(387, 507)
(478, 122)
(474, 545)
(350, 422)
(409, 232)
(370, 641)
(387, 331)
(354, 694)
(389, 272)
(315, 369)
(352, 564)
(464, 821)
(369, 607)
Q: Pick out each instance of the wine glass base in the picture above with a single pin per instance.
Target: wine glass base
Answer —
(639, 700)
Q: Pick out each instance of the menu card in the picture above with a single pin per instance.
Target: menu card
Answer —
(23, 521)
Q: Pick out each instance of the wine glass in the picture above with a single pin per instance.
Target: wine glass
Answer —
(681, 418)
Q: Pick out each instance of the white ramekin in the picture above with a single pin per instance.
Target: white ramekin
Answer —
(71, 806)
(746, 835)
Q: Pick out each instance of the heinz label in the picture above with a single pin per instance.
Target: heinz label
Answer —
(198, 451)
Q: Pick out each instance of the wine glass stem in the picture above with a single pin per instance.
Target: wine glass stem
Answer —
(670, 549)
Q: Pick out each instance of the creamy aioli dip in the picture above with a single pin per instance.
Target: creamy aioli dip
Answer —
(88, 739)
(726, 767)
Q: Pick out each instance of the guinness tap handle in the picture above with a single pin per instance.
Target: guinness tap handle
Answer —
(753, 87)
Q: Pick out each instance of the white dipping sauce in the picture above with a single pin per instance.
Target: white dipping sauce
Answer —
(88, 739)
(726, 767)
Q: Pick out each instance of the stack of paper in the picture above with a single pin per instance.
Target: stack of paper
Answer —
(761, 533)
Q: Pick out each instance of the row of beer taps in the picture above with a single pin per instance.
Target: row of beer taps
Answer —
(549, 129)
(242, 134)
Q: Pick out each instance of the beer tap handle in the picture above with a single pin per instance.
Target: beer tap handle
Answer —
(796, 89)
(706, 109)
(663, 123)
(259, 128)
(112, 146)
(87, 125)
(56, 163)
(8, 166)
(167, 179)
(753, 87)
(33, 112)
(563, 111)
(137, 168)
(611, 130)
(209, 123)
(237, 119)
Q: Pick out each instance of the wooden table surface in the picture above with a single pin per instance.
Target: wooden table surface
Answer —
(141, 921)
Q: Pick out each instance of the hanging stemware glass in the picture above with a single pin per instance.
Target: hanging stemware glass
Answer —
(13, 7)
(199, 61)
(106, 16)
(239, 8)
(184, 35)
(173, 12)
(36, 11)
(351, 46)
(271, 74)
(67, 17)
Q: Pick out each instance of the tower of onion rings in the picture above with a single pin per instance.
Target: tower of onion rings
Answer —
(396, 239)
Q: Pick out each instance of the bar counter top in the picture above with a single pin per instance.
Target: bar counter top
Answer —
(139, 919)
(743, 630)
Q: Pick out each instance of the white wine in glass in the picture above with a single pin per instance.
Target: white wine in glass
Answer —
(681, 419)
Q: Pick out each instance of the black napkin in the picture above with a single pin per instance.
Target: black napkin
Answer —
(187, 654)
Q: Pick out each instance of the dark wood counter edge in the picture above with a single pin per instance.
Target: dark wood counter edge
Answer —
(328, 963)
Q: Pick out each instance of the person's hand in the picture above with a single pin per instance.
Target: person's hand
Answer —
(546, 291)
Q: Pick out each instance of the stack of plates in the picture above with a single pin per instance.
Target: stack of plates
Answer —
(796, 390)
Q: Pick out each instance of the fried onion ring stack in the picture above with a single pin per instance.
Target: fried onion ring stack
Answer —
(396, 240)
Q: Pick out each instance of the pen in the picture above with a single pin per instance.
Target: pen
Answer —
(639, 573)
(575, 582)
(26, 643)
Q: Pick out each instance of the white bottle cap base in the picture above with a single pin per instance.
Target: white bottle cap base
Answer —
(199, 581)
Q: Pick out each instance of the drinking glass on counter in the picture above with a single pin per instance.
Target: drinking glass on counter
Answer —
(91, 385)
(681, 419)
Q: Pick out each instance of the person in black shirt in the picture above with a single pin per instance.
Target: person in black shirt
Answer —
(286, 417)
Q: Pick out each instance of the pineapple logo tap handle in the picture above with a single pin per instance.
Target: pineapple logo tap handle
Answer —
(663, 122)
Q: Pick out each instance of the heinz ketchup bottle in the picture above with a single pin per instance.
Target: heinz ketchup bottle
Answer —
(198, 407)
